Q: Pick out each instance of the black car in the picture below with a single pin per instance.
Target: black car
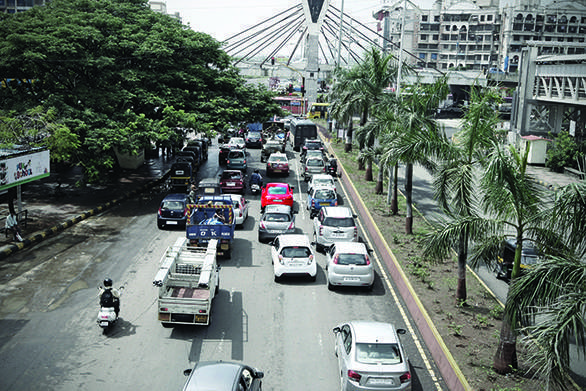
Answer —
(253, 139)
(222, 376)
(173, 211)
(223, 154)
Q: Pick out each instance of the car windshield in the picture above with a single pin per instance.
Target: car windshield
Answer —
(172, 205)
(278, 217)
(277, 190)
(339, 222)
(325, 194)
(378, 353)
(277, 159)
(236, 154)
(313, 145)
(231, 175)
(315, 162)
(351, 259)
(295, 252)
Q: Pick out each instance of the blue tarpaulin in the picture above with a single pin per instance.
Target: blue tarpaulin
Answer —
(255, 126)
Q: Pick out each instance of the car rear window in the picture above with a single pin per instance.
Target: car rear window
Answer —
(326, 194)
(277, 190)
(279, 217)
(173, 205)
(236, 154)
(315, 162)
(231, 175)
(339, 222)
(375, 353)
(351, 259)
(323, 182)
(274, 159)
(295, 252)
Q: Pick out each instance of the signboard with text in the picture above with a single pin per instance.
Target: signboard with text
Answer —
(17, 170)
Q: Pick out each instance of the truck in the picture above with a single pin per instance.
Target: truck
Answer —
(212, 217)
(188, 280)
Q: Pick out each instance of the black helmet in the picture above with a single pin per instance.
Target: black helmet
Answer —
(256, 170)
(108, 282)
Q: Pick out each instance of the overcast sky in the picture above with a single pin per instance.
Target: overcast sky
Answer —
(223, 18)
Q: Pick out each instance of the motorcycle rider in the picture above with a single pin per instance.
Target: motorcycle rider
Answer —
(256, 178)
(110, 297)
(333, 166)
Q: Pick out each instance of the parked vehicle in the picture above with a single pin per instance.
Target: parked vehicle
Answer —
(299, 130)
(348, 264)
(270, 147)
(292, 255)
(212, 218)
(371, 357)
(254, 139)
(172, 211)
(232, 181)
(277, 164)
(276, 220)
(276, 193)
(188, 280)
(223, 376)
(180, 177)
(318, 197)
(237, 160)
(313, 166)
(334, 224)
(240, 209)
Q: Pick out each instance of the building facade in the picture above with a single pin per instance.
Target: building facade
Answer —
(14, 6)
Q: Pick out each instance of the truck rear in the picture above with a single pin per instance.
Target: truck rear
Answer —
(212, 218)
(188, 279)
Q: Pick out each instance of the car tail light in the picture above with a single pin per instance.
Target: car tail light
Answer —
(323, 169)
(353, 375)
(310, 259)
(336, 203)
(159, 211)
(312, 203)
(281, 260)
(262, 225)
(202, 311)
(336, 259)
(405, 377)
(306, 169)
(164, 309)
(367, 260)
(228, 161)
(355, 232)
(244, 161)
(291, 226)
(240, 213)
(321, 230)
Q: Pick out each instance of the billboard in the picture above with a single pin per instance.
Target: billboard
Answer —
(16, 170)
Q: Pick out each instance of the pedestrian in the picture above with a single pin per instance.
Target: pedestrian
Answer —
(12, 226)
(193, 194)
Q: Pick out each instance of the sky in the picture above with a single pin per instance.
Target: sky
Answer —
(224, 18)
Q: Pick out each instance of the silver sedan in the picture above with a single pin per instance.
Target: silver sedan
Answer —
(348, 264)
(371, 357)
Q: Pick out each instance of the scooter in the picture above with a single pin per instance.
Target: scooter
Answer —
(107, 316)
(254, 188)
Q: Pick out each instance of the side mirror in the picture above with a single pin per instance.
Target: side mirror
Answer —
(187, 372)
(353, 215)
(401, 331)
(337, 330)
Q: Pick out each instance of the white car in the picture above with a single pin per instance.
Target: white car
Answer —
(292, 255)
(348, 263)
(238, 142)
(240, 209)
(321, 180)
(334, 224)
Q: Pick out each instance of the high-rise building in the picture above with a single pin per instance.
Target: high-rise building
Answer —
(14, 6)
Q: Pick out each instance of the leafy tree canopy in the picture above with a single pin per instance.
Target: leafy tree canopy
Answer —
(117, 74)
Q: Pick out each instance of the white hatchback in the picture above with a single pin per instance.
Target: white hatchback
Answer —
(240, 209)
(292, 255)
(348, 263)
(318, 180)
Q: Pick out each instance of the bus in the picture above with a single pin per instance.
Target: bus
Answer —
(299, 130)
(318, 110)
(296, 105)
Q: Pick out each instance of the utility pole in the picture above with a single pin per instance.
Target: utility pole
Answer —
(340, 35)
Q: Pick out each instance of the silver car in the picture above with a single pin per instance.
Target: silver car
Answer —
(371, 357)
(334, 224)
(313, 165)
(276, 220)
(348, 263)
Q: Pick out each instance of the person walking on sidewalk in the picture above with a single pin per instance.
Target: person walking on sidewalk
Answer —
(12, 226)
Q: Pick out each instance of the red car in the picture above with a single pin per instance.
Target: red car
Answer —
(276, 193)
(232, 181)
(277, 164)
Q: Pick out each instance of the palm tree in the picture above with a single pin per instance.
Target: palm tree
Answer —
(457, 177)
(344, 103)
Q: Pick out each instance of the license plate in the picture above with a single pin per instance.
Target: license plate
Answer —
(103, 324)
(277, 200)
(231, 184)
(277, 170)
(273, 231)
(379, 380)
(324, 203)
(295, 264)
(351, 279)
(171, 222)
(335, 235)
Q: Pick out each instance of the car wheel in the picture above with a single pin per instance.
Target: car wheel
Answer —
(160, 225)
(313, 278)
(277, 278)
(331, 288)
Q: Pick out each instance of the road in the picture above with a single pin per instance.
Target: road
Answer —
(49, 338)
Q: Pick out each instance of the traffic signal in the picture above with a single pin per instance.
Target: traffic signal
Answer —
(272, 60)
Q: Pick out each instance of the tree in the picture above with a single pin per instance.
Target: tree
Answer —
(110, 68)
(565, 152)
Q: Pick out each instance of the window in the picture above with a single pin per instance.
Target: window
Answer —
(435, 37)
(424, 18)
(489, 18)
(434, 56)
(423, 37)
(422, 56)
(482, 18)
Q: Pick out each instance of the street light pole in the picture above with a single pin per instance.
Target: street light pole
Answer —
(340, 35)
(398, 91)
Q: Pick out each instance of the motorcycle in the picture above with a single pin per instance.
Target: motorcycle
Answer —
(254, 188)
(107, 316)
(332, 170)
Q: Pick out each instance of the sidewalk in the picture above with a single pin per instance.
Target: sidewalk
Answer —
(52, 207)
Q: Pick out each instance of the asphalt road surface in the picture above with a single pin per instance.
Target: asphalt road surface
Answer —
(49, 338)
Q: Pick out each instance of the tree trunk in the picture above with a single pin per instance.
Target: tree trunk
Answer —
(409, 199)
(368, 173)
(360, 165)
(394, 199)
(378, 189)
(505, 358)
(348, 145)
(461, 294)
